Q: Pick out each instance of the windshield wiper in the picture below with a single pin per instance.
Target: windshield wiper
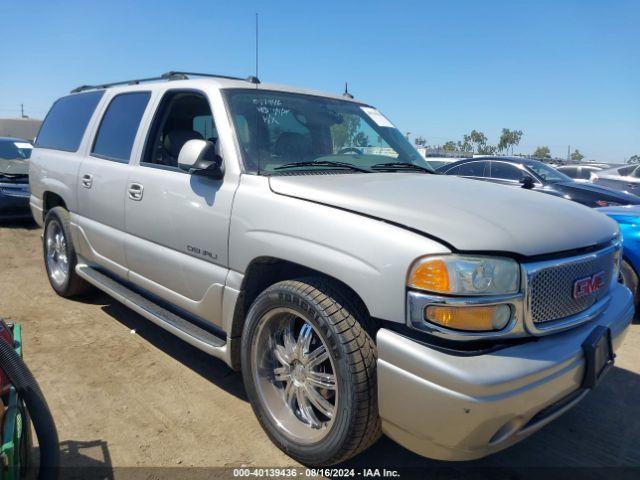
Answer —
(390, 166)
(323, 163)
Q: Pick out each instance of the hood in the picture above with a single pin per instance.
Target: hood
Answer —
(14, 167)
(465, 214)
(599, 192)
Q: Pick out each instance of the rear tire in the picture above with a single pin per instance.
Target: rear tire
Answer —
(60, 258)
(317, 412)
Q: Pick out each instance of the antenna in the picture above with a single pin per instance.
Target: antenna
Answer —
(346, 93)
(257, 45)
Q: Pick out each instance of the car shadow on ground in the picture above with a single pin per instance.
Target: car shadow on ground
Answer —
(602, 430)
(208, 367)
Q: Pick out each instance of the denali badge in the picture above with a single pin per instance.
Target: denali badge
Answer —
(588, 285)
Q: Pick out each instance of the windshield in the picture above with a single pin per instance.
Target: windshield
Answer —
(13, 157)
(276, 129)
(546, 173)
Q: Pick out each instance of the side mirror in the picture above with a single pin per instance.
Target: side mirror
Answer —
(527, 182)
(199, 157)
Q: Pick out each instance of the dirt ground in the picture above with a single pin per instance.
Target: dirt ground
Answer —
(126, 393)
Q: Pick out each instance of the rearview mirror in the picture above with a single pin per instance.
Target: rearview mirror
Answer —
(199, 157)
(527, 182)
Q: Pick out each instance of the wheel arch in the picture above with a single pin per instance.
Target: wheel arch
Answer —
(261, 273)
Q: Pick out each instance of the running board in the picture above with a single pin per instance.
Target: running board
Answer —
(180, 327)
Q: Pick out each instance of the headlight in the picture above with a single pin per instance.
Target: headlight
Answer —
(465, 275)
(617, 260)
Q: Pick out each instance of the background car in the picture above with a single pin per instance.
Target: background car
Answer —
(584, 171)
(535, 175)
(629, 220)
(14, 178)
(625, 178)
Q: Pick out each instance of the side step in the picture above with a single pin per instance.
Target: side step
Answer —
(182, 328)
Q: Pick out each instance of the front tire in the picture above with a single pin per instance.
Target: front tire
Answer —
(60, 258)
(309, 369)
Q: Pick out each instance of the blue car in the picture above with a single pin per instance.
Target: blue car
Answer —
(629, 220)
(14, 178)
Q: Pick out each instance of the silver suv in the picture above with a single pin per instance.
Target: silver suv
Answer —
(299, 237)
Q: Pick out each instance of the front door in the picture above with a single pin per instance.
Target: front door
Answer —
(178, 223)
(102, 180)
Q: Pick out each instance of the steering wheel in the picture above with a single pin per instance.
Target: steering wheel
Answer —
(344, 151)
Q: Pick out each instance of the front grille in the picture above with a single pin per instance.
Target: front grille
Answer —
(551, 288)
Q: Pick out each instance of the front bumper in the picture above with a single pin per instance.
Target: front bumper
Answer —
(14, 201)
(452, 407)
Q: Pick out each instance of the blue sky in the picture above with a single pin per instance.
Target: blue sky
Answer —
(564, 72)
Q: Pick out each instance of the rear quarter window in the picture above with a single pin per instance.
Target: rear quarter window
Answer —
(66, 122)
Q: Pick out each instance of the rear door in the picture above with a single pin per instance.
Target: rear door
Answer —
(103, 179)
(177, 223)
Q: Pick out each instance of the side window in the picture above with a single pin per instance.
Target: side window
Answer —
(624, 171)
(66, 122)
(506, 171)
(453, 171)
(203, 124)
(181, 116)
(472, 169)
(635, 173)
(573, 172)
(119, 126)
(585, 173)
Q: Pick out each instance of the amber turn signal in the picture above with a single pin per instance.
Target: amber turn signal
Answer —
(470, 318)
(431, 275)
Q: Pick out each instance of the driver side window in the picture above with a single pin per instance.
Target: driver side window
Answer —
(181, 116)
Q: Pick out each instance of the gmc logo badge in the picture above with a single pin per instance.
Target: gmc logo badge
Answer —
(588, 285)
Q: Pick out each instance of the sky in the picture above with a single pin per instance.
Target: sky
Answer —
(565, 72)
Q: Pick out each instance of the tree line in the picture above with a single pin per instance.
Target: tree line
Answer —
(476, 142)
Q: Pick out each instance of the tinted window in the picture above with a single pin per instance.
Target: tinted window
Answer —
(573, 172)
(626, 170)
(119, 126)
(635, 173)
(506, 171)
(585, 172)
(472, 169)
(67, 120)
(453, 171)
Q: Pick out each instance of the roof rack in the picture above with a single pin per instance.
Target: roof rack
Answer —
(172, 75)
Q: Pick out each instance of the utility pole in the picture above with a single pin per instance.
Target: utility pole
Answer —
(22, 110)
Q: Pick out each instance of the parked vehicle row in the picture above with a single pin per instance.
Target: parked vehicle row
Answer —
(537, 176)
(14, 178)
(583, 172)
(300, 238)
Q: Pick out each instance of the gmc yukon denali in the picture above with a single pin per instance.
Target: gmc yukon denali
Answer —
(300, 238)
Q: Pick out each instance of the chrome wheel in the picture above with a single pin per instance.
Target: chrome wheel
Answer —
(294, 375)
(56, 253)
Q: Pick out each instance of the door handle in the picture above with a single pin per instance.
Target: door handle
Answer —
(135, 191)
(87, 180)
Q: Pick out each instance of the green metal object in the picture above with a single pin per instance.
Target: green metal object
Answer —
(14, 430)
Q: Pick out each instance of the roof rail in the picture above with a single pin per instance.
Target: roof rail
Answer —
(172, 75)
